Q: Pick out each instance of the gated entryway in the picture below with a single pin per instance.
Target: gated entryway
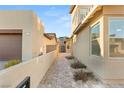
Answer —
(62, 49)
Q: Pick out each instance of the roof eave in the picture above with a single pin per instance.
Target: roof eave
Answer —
(47, 36)
(72, 8)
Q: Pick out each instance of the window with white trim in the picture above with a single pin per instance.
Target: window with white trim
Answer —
(95, 40)
(116, 37)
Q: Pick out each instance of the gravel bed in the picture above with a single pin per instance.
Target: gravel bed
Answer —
(60, 75)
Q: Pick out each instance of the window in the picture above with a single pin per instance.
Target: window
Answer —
(76, 18)
(116, 37)
(95, 38)
(83, 13)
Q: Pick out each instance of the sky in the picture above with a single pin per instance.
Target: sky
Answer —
(56, 18)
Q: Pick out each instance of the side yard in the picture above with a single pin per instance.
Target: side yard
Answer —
(61, 75)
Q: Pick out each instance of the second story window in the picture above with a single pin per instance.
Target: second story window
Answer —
(75, 20)
(83, 13)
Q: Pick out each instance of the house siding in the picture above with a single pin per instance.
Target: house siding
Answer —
(49, 45)
(114, 66)
(109, 70)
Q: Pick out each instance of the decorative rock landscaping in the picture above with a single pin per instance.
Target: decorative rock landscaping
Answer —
(61, 75)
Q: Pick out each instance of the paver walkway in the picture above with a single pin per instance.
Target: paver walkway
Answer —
(60, 75)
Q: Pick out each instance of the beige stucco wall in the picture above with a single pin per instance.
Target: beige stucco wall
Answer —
(114, 66)
(110, 70)
(31, 35)
(35, 68)
(37, 36)
(81, 49)
(48, 42)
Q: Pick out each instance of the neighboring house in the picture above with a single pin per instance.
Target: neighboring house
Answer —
(64, 44)
(21, 35)
(50, 42)
(98, 40)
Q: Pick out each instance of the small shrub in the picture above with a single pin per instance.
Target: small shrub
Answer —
(11, 63)
(69, 57)
(90, 75)
(77, 65)
(81, 75)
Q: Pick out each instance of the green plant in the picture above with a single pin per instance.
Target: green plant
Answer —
(69, 57)
(12, 63)
(77, 65)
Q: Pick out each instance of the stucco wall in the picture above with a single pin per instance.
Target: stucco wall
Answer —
(27, 21)
(35, 68)
(114, 66)
(37, 36)
(82, 48)
(107, 68)
(48, 42)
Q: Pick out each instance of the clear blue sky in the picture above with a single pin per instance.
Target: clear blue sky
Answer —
(55, 18)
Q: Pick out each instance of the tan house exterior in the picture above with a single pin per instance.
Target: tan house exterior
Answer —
(98, 40)
(50, 42)
(21, 35)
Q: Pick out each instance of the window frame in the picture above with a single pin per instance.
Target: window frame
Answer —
(84, 13)
(90, 43)
(108, 33)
